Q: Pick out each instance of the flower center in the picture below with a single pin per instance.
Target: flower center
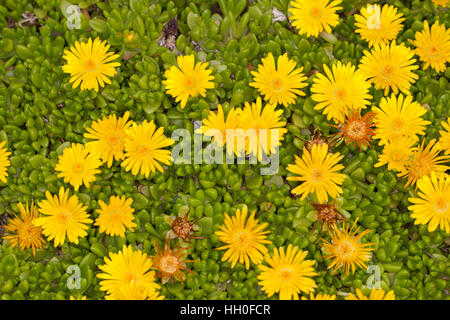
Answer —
(242, 239)
(130, 277)
(286, 274)
(340, 93)
(28, 232)
(169, 264)
(77, 167)
(142, 150)
(316, 174)
(356, 130)
(189, 82)
(434, 51)
(420, 168)
(316, 12)
(114, 140)
(116, 214)
(63, 217)
(397, 156)
(345, 249)
(277, 84)
(387, 71)
(90, 65)
(397, 124)
(441, 205)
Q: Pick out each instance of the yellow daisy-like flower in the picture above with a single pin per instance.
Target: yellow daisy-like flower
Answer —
(127, 268)
(319, 172)
(432, 206)
(116, 217)
(22, 232)
(109, 138)
(399, 117)
(288, 273)
(143, 149)
(77, 166)
(341, 90)
(279, 84)
(262, 126)
(90, 64)
(390, 67)
(189, 79)
(244, 238)
(396, 153)
(377, 25)
(313, 17)
(375, 294)
(132, 291)
(4, 162)
(346, 249)
(423, 162)
(216, 126)
(444, 140)
(320, 296)
(64, 217)
(442, 3)
(433, 46)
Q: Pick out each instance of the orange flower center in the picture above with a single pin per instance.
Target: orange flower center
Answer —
(387, 71)
(130, 277)
(28, 232)
(441, 205)
(114, 140)
(316, 174)
(397, 124)
(340, 93)
(345, 249)
(316, 12)
(241, 239)
(90, 65)
(419, 168)
(434, 51)
(189, 82)
(286, 274)
(115, 214)
(77, 167)
(356, 130)
(277, 84)
(63, 217)
(142, 150)
(397, 156)
(169, 264)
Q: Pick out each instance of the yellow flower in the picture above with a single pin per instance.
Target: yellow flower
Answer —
(116, 217)
(377, 25)
(78, 298)
(63, 217)
(288, 273)
(396, 153)
(4, 162)
(109, 138)
(262, 126)
(143, 149)
(279, 84)
(90, 64)
(432, 206)
(444, 140)
(216, 125)
(399, 117)
(244, 238)
(188, 79)
(23, 232)
(346, 249)
(320, 296)
(433, 46)
(390, 67)
(375, 294)
(77, 166)
(423, 162)
(132, 291)
(313, 17)
(440, 2)
(341, 90)
(319, 172)
(127, 268)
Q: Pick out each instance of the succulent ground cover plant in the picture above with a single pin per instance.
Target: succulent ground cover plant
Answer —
(241, 149)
